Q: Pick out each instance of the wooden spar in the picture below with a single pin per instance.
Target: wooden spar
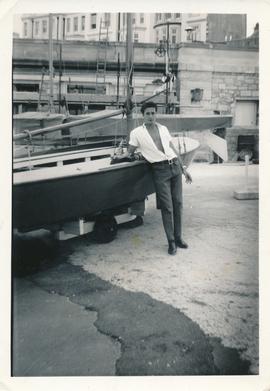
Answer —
(54, 128)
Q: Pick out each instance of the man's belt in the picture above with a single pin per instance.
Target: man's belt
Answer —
(165, 162)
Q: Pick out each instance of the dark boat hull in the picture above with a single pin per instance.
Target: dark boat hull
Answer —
(43, 203)
(44, 197)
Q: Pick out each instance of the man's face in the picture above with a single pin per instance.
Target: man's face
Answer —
(149, 115)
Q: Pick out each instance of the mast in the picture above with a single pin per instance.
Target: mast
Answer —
(118, 61)
(50, 65)
(60, 61)
(129, 71)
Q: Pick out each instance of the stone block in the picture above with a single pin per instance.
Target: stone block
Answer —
(245, 93)
(246, 194)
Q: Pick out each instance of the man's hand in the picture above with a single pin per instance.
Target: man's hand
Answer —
(187, 176)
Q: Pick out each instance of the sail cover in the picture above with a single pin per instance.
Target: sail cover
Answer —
(218, 145)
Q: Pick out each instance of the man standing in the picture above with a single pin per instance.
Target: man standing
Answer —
(155, 144)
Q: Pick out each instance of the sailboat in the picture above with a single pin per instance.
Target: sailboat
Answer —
(52, 190)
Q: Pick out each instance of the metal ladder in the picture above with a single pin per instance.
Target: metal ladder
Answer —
(102, 57)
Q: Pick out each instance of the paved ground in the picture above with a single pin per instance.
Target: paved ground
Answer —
(153, 314)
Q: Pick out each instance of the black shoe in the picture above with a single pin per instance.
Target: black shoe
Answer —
(172, 249)
(181, 243)
(133, 223)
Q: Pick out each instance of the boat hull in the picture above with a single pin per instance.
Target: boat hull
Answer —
(43, 197)
(43, 203)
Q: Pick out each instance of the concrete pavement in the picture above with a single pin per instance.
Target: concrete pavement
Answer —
(212, 286)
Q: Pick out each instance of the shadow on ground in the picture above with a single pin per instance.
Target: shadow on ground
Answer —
(155, 338)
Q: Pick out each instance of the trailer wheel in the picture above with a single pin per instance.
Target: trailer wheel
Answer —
(105, 229)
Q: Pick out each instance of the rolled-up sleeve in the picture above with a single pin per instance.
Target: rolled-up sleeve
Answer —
(133, 140)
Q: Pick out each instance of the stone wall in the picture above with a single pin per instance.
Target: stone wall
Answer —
(228, 87)
(225, 75)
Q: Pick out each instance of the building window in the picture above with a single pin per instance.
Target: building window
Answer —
(25, 29)
(26, 87)
(168, 16)
(136, 37)
(68, 25)
(173, 35)
(157, 36)
(195, 35)
(134, 20)
(53, 26)
(44, 26)
(141, 18)
(124, 19)
(196, 95)
(164, 34)
(177, 15)
(93, 21)
(75, 24)
(107, 19)
(36, 28)
(83, 23)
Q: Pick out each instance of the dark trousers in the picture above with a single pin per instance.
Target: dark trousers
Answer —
(168, 184)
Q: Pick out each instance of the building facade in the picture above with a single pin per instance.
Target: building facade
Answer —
(147, 27)
(209, 78)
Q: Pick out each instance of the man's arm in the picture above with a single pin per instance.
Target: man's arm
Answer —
(183, 167)
(131, 149)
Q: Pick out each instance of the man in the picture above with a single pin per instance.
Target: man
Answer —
(155, 144)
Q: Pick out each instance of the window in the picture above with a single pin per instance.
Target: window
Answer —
(107, 19)
(81, 89)
(173, 35)
(44, 26)
(195, 33)
(26, 87)
(177, 15)
(141, 18)
(164, 34)
(168, 16)
(136, 37)
(124, 19)
(75, 23)
(25, 29)
(68, 25)
(83, 23)
(36, 27)
(196, 95)
(93, 21)
(134, 20)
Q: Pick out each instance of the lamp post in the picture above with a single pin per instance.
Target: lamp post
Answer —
(164, 50)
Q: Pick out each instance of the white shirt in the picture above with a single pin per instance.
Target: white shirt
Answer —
(140, 138)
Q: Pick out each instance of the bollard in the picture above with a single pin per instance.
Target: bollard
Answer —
(246, 193)
(246, 169)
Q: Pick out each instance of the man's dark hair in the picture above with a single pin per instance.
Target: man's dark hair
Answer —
(146, 105)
